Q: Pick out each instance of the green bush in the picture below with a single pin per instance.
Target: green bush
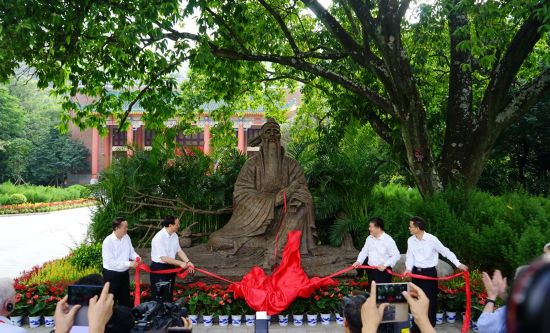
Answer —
(17, 198)
(87, 256)
(36, 194)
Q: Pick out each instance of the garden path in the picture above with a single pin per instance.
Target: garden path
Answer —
(32, 239)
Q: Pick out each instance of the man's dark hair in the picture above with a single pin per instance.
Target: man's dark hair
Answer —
(418, 222)
(378, 222)
(91, 280)
(352, 312)
(168, 220)
(117, 222)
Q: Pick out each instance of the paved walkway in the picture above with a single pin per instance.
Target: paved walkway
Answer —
(27, 240)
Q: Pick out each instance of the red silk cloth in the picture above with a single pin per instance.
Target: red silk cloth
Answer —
(274, 293)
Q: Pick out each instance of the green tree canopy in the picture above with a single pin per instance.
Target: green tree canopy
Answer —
(440, 91)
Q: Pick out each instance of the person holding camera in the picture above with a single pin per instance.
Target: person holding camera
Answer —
(423, 250)
(164, 248)
(118, 257)
(381, 250)
(373, 313)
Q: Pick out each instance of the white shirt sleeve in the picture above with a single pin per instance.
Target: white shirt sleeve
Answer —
(109, 259)
(409, 261)
(394, 254)
(364, 253)
(444, 251)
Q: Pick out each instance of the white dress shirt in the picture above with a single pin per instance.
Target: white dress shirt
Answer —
(381, 251)
(164, 245)
(423, 253)
(7, 326)
(117, 253)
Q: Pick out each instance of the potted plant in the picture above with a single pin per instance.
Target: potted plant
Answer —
(50, 303)
(222, 306)
(298, 307)
(238, 307)
(20, 309)
(249, 315)
(283, 317)
(312, 309)
(35, 312)
(335, 304)
(454, 302)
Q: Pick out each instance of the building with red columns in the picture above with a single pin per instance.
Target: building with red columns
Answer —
(115, 144)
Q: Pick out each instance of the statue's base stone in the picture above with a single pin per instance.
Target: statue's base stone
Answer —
(324, 261)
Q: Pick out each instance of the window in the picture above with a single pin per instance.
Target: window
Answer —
(191, 140)
(118, 138)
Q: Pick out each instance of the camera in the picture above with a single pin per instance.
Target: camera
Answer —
(397, 310)
(159, 314)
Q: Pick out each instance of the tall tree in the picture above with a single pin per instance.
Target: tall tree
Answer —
(51, 161)
(488, 54)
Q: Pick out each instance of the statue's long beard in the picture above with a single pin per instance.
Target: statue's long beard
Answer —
(271, 153)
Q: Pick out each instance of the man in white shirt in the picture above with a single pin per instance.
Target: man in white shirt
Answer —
(164, 248)
(423, 251)
(7, 304)
(118, 257)
(381, 250)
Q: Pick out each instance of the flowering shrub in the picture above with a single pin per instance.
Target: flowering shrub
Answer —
(44, 206)
(37, 299)
(60, 270)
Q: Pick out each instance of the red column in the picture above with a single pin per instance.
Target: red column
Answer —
(129, 140)
(241, 145)
(95, 154)
(140, 137)
(206, 147)
(107, 148)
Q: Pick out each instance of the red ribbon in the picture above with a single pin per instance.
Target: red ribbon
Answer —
(182, 273)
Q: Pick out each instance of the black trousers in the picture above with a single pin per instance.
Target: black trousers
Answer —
(119, 286)
(155, 278)
(430, 288)
(378, 276)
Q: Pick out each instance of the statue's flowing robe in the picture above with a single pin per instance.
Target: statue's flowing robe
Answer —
(256, 220)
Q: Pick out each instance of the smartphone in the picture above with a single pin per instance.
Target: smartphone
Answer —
(391, 292)
(81, 294)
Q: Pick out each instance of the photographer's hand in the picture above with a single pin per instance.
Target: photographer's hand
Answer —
(100, 310)
(419, 304)
(371, 315)
(186, 323)
(64, 318)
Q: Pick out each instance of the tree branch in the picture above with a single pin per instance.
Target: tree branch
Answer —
(335, 29)
(142, 92)
(232, 32)
(506, 69)
(526, 97)
(300, 64)
(282, 25)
